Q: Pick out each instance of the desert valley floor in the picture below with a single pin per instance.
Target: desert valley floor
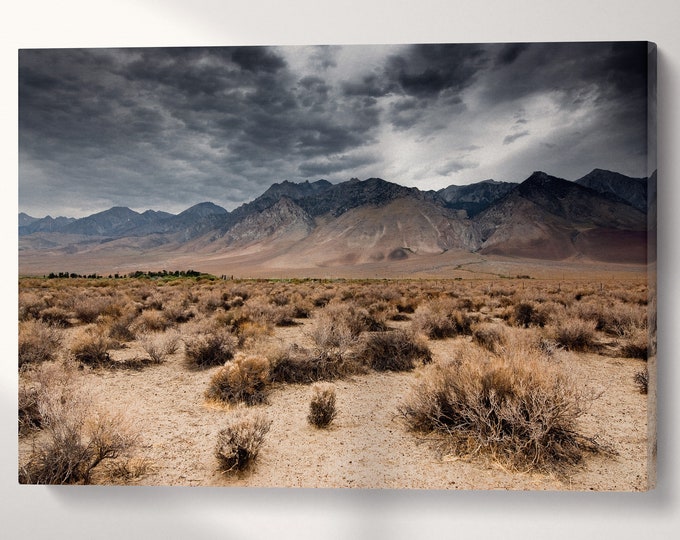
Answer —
(591, 332)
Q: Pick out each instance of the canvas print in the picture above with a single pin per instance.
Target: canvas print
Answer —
(422, 266)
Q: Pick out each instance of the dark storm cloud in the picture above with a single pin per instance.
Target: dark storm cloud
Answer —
(231, 120)
(510, 52)
(166, 128)
(369, 85)
(257, 59)
(430, 70)
(614, 70)
(426, 74)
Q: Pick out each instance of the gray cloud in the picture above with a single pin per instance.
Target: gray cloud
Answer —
(167, 128)
(509, 139)
(327, 166)
(433, 70)
(456, 165)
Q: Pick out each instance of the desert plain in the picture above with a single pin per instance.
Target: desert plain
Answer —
(139, 376)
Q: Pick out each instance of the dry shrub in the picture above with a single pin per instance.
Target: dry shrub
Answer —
(160, 346)
(575, 335)
(88, 310)
(339, 325)
(323, 299)
(490, 336)
(525, 314)
(641, 380)
(29, 408)
(56, 316)
(263, 312)
(328, 332)
(614, 319)
(521, 410)
(177, 313)
(635, 344)
(30, 305)
(208, 350)
(238, 444)
(122, 328)
(249, 333)
(243, 380)
(92, 348)
(441, 319)
(302, 305)
(38, 342)
(152, 321)
(125, 471)
(549, 312)
(296, 364)
(34, 386)
(76, 438)
(394, 351)
(407, 305)
(322, 409)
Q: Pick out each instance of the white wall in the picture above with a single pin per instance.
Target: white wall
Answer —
(74, 513)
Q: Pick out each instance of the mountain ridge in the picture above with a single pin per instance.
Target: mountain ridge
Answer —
(352, 222)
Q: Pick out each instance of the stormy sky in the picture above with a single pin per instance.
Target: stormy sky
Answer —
(170, 127)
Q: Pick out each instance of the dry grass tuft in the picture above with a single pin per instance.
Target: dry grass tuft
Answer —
(243, 380)
(394, 351)
(238, 444)
(38, 342)
(126, 471)
(490, 336)
(441, 319)
(635, 343)
(575, 335)
(160, 346)
(322, 409)
(208, 350)
(641, 380)
(75, 439)
(300, 365)
(91, 348)
(521, 411)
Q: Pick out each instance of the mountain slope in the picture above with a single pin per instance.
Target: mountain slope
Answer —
(282, 221)
(402, 228)
(29, 225)
(474, 198)
(631, 190)
(190, 223)
(340, 198)
(113, 222)
(550, 218)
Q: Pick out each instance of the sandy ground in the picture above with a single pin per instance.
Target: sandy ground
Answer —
(367, 446)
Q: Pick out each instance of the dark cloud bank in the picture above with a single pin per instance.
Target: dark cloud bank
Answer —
(167, 128)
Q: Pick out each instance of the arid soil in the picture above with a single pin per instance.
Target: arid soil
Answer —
(368, 445)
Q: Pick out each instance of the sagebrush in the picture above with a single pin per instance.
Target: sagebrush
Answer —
(238, 443)
(521, 410)
(322, 409)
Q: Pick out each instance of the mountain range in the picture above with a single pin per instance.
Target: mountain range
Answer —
(602, 217)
